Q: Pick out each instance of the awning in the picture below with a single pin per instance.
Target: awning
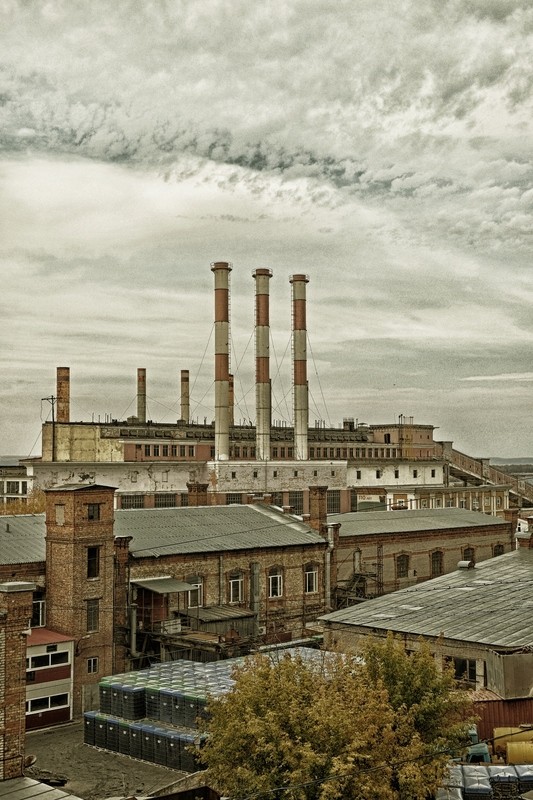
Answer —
(163, 585)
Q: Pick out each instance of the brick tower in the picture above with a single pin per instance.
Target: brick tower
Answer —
(79, 580)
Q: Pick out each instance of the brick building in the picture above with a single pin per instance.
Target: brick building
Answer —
(379, 552)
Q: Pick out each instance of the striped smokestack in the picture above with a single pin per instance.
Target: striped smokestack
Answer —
(263, 402)
(141, 394)
(231, 399)
(185, 397)
(299, 352)
(63, 394)
(221, 270)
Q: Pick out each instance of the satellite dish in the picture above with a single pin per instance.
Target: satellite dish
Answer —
(29, 761)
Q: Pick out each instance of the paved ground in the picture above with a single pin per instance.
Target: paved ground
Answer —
(92, 774)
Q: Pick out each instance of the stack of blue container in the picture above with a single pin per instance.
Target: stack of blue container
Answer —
(153, 713)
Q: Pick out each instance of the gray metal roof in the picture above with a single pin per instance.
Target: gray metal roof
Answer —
(361, 523)
(22, 539)
(208, 529)
(163, 585)
(491, 604)
(28, 789)
(216, 613)
(169, 531)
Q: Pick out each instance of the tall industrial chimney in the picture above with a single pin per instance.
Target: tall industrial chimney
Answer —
(141, 394)
(231, 399)
(299, 353)
(263, 401)
(63, 394)
(221, 270)
(185, 397)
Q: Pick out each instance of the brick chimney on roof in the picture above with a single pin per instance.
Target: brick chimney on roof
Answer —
(318, 508)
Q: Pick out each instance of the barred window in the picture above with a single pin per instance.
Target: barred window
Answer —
(132, 501)
(334, 501)
(402, 566)
(167, 500)
(296, 501)
(234, 498)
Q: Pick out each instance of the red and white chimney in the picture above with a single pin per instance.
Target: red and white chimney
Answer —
(63, 394)
(263, 401)
(141, 395)
(185, 397)
(299, 352)
(221, 271)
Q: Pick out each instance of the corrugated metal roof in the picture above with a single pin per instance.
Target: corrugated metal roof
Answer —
(28, 789)
(168, 531)
(215, 613)
(22, 539)
(495, 600)
(379, 522)
(208, 529)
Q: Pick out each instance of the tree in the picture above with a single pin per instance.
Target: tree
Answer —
(33, 504)
(333, 728)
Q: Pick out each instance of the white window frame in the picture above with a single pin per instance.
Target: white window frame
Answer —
(50, 706)
(236, 588)
(275, 584)
(311, 579)
(195, 596)
(93, 665)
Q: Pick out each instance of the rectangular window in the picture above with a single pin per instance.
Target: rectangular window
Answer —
(173, 449)
(358, 474)
(296, 501)
(146, 449)
(282, 452)
(195, 596)
(132, 501)
(311, 452)
(182, 451)
(311, 579)
(156, 450)
(165, 450)
(465, 670)
(60, 514)
(236, 589)
(275, 585)
(333, 501)
(92, 665)
(93, 615)
(415, 473)
(93, 512)
(12, 487)
(191, 451)
(49, 660)
(237, 452)
(93, 562)
(433, 473)
(165, 500)
(38, 617)
(274, 452)
(164, 476)
(378, 473)
(234, 498)
(396, 473)
(290, 452)
(319, 452)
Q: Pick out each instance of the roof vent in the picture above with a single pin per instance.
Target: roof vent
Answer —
(466, 564)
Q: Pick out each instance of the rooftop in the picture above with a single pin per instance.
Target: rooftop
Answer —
(359, 523)
(495, 599)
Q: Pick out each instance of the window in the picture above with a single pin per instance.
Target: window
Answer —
(396, 473)
(315, 473)
(60, 514)
(156, 450)
(191, 451)
(234, 498)
(255, 473)
(132, 501)
(311, 579)
(295, 473)
(45, 660)
(433, 473)
(12, 487)
(274, 452)
(333, 501)
(92, 665)
(37, 704)
(275, 582)
(465, 670)
(296, 501)
(93, 562)
(146, 449)
(237, 452)
(236, 587)
(275, 473)
(165, 450)
(93, 615)
(378, 473)
(437, 563)
(358, 474)
(233, 475)
(196, 594)
(468, 554)
(290, 452)
(402, 566)
(415, 473)
(498, 550)
(311, 452)
(164, 476)
(93, 512)
(282, 452)
(38, 617)
(386, 438)
(277, 499)
(173, 449)
(165, 500)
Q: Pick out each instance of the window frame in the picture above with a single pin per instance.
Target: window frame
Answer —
(275, 583)
(311, 579)
(92, 615)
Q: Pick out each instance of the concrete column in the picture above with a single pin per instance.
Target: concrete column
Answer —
(63, 394)
(263, 401)
(299, 347)
(185, 396)
(141, 395)
(221, 271)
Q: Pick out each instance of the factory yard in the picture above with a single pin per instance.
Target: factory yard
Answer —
(91, 774)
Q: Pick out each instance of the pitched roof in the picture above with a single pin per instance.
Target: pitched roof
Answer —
(169, 531)
(208, 529)
(491, 604)
(359, 523)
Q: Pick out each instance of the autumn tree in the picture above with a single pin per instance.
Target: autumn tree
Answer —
(330, 728)
(33, 504)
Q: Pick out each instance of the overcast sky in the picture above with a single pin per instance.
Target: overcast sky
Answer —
(383, 147)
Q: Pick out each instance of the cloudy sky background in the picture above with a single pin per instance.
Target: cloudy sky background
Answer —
(383, 147)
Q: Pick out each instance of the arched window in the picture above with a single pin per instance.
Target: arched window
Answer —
(275, 582)
(468, 554)
(437, 563)
(498, 550)
(402, 566)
